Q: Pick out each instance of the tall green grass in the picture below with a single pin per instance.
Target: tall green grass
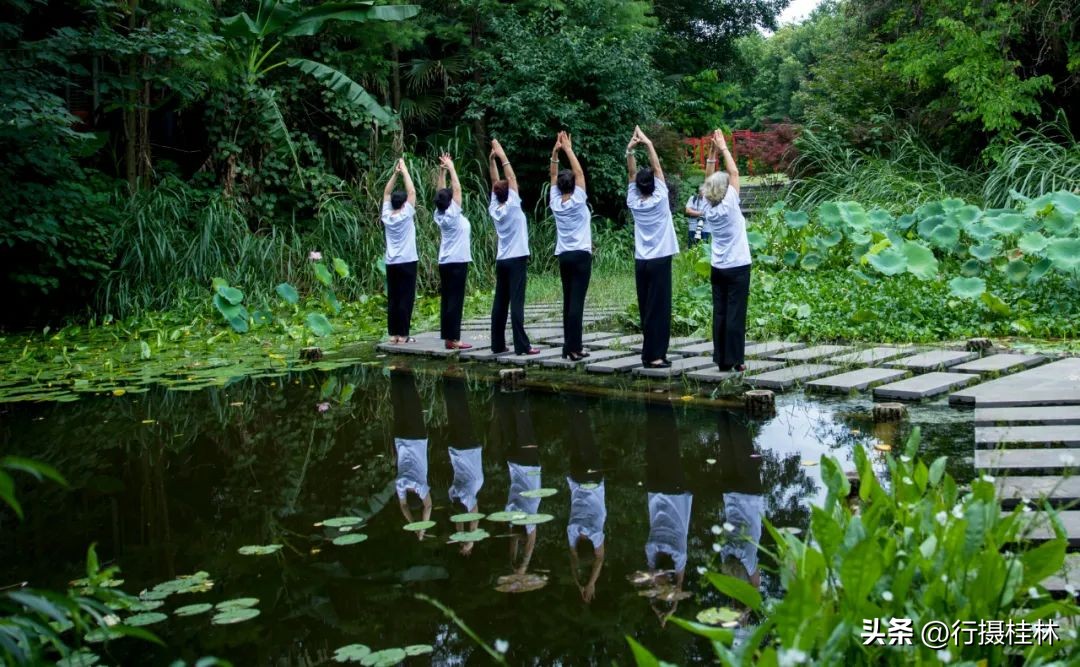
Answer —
(1041, 160)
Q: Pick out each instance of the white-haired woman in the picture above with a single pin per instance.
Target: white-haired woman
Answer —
(730, 252)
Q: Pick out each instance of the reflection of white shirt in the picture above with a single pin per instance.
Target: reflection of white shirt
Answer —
(456, 234)
(725, 221)
(468, 475)
(744, 511)
(587, 514)
(510, 226)
(573, 221)
(521, 481)
(669, 525)
(654, 232)
(400, 229)
(411, 467)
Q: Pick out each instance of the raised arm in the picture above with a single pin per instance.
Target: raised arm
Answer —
(575, 166)
(392, 182)
(631, 159)
(493, 167)
(729, 161)
(589, 591)
(710, 162)
(654, 160)
(553, 171)
(440, 180)
(410, 189)
(455, 184)
(508, 169)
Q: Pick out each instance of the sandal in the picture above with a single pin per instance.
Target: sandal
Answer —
(659, 363)
(457, 345)
(408, 339)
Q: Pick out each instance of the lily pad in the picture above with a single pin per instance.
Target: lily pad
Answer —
(967, 288)
(339, 521)
(193, 609)
(589, 486)
(1032, 243)
(506, 517)
(417, 526)
(419, 649)
(236, 603)
(351, 538)
(921, 261)
(384, 658)
(145, 618)
(539, 493)
(352, 653)
(80, 658)
(234, 615)
(1064, 253)
(888, 261)
(470, 536)
(467, 517)
(717, 615)
(258, 549)
(520, 583)
(532, 519)
(145, 605)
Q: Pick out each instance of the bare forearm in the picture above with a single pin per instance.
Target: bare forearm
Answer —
(440, 181)
(732, 169)
(575, 166)
(710, 162)
(493, 168)
(654, 161)
(455, 185)
(631, 165)
(390, 186)
(410, 189)
(598, 564)
(553, 169)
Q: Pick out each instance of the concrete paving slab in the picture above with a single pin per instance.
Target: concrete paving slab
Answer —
(676, 369)
(1000, 363)
(1069, 575)
(1056, 489)
(615, 365)
(1041, 527)
(770, 347)
(1055, 383)
(783, 379)
(1038, 460)
(1050, 414)
(530, 359)
(932, 360)
(623, 341)
(594, 357)
(923, 386)
(1058, 435)
(714, 375)
(810, 353)
(872, 356)
(683, 345)
(425, 347)
(590, 337)
(484, 354)
(857, 380)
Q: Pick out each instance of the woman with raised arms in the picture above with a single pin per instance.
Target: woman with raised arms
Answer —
(573, 242)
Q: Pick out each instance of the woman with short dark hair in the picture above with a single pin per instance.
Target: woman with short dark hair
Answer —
(455, 254)
(399, 222)
(573, 242)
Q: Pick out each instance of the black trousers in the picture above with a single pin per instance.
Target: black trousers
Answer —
(663, 459)
(514, 417)
(400, 296)
(408, 414)
(510, 276)
(653, 279)
(730, 291)
(575, 268)
(459, 426)
(585, 465)
(451, 298)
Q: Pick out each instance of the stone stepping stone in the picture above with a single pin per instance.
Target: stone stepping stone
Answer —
(770, 348)
(1055, 383)
(1066, 435)
(933, 360)
(594, 356)
(676, 369)
(592, 337)
(1036, 488)
(783, 379)
(615, 365)
(1000, 364)
(714, 375)
(1047, 415)
(530, 359)
(872, 356)
(924, 386)
(624, 341)
(858, 380)
(1042, 530)
(687, 345)
(484, 354)
(1037, 460)
(1068, 576)
(810, 353)
(423, 347)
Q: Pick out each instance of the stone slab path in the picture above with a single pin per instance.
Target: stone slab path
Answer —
(923, 386)
(1000, 364)
(858, 380)
(932, 360)
(1051, 414)
(1055, 383)
(682, 343)
(702, 349)
(594, 357)
(1058, 435)
(714, 375)
(871, 356)
(783, 379)
(616, 365)
(677, 368)
(810, 353)
(769, 348)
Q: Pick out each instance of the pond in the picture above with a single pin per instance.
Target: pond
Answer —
(170, 483)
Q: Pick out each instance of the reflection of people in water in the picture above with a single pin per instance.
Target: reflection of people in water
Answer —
(744, 500)
(465, 456)
(523, 463)
(588, 512)
(411, 450)
(669, 503)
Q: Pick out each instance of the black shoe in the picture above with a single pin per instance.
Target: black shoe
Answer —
(575, 356)
(739, 368)
(660, 363)
(724, 369)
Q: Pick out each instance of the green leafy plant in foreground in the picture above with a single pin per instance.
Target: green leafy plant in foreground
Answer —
(917, 546)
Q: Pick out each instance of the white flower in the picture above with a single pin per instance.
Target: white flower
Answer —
(701, 569)
(944, 578)
(1033, 592)
(958, 511)
(1025, 500)
(502, 646)
(1026, 508)
(987, 478)
(715, 530)
(887, 596)
(793, 656)
(908, 480)
(716, 547)
(944, 656)
(110, 619)
(1067, 459)
(728, 527)
(905, 458)
(315, 256)
(942, 517)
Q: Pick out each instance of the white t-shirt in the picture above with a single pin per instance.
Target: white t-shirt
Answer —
(588, 512)
(669, 525)
(654, 232)
(510, 226)
(697, 202)
(573, 221)
(468, 475)
(456, 235)
(744, 511)
(726, 223)
(521, 481)
(411, 467)
(400, 226)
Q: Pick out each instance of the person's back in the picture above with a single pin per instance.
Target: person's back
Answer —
(573, 221)
(725, 222)
(400, 228)
(456, 234)
(510, 226)
(654, 231)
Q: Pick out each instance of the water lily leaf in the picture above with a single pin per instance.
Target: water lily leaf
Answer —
(812, 260)
(193, 609)
(351, 653)
(970, 268)
(351, 538)
(831, 239)
(506, 517)
(1041, 268)
(981, 231)
(322, 274)
(467, 517)
(532, 519)
(945, 236)
(538, 493)
(929, 210)
(928, 225)
(952, 204)
(1032, 243)
(853, 214)
(1017, 270)
(236, 603)
(235, 314)
(258, 550)
(80, 658)
(995, 304)
(888, 261)
(319, 325)
(1064, 253)
(470, 536)
(341, 268)
(756, 239)
(904, 222)
(520, 583)
(796, 219)
(417, 526)
(965, 216)
(1009, 223)
(261, 317)
(829, 215)
(384, 658)
(146, 605)
(234, 615)
(230, 294)
(589, 486)
(339, 521)
(921, 262)
(967, 288)
(1058, 211)
(419, 649)
(288, 293)
(717, 615)
(99, 635)
(984, 252)
(880, 219)
(145, 618)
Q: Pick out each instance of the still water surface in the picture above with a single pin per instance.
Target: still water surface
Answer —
(168, 483)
